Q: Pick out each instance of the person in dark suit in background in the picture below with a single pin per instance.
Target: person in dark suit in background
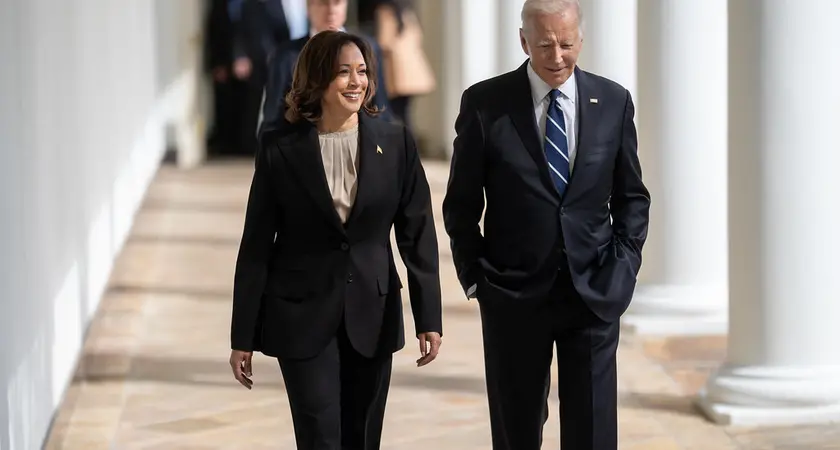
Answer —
(315, 283)
(323, 15)
(567, 216)
(260, 27)
(228, 90)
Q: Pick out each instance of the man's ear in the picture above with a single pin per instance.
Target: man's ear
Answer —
(523, 42)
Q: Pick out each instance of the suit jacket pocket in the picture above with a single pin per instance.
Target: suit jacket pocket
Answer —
(604, 252)
(291, 285)
(382, 283)
(481, 288)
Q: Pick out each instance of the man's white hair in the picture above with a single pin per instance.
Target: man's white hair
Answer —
(532, 8)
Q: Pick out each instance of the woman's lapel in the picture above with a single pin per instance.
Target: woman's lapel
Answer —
(302, 150)
(371, 164)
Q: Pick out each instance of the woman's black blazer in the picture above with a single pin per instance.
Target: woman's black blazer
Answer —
(300, 271)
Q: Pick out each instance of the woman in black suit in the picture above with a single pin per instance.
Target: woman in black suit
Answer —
(316, 285)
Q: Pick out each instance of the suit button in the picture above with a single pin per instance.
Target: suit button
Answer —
(562, 211)
(349, 278)
(345, 246)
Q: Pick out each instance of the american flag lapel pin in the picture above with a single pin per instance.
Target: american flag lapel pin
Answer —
(593, 100)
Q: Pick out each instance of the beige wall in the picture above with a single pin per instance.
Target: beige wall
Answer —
(427, 109)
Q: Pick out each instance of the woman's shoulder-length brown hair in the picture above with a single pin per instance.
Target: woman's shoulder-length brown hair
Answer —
(317, 67)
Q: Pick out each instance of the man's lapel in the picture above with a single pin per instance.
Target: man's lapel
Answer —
(588, 115)
(303, 152)
(526, 124)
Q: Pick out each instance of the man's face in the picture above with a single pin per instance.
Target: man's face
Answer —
(553, 41)
(327, 14)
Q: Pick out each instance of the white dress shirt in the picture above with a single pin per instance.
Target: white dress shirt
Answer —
(296, 18)
(568, 102)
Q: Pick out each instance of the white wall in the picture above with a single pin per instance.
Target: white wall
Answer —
(82, 112)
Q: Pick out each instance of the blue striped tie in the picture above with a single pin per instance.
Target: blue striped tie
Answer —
(556, 144)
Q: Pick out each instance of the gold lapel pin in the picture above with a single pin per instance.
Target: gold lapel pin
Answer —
(379, 149)
(593, 100)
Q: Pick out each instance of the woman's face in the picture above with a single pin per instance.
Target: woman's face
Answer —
(347, 91)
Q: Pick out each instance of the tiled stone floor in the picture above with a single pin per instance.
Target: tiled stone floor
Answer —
(155, 376)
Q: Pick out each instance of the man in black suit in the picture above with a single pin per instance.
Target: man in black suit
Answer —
(323, 15)
(228, 91)
(259, 26)
(566, 219)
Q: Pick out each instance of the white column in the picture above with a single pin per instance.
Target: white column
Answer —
(686, 119)
(511, 55)
(478, 58)
(189, 124)
(610, 40)
(783, 364)
(470, 54)
(462, 42)
(179, 41)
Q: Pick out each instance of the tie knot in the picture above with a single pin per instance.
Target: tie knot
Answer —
(553, 94)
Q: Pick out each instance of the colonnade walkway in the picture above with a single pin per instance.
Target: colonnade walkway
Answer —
(154, 374)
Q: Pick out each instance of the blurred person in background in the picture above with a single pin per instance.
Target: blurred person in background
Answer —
(323, 15)
(397, 28)
(260, 26)
(316, 285)
(228, 91)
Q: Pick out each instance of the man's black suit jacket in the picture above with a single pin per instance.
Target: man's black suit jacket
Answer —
(261, 29)
(281, 68)
(300, 270)
(596, 231)
(219, 36)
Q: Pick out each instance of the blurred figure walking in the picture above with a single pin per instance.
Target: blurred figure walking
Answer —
(406, 69)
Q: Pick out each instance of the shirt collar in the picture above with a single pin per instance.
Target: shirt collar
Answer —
(540, 89)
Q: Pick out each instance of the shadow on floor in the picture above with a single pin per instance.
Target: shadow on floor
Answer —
(192, 206)
(670, 403)
(213, 241)
(197, 293)
(800, 437)
(464, 309)
(106, 367)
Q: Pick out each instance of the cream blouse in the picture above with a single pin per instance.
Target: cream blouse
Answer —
(339, 152)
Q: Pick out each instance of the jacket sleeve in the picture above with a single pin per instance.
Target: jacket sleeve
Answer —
(630, 201)
(414, 229)
(464, 201)
(255, 252)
